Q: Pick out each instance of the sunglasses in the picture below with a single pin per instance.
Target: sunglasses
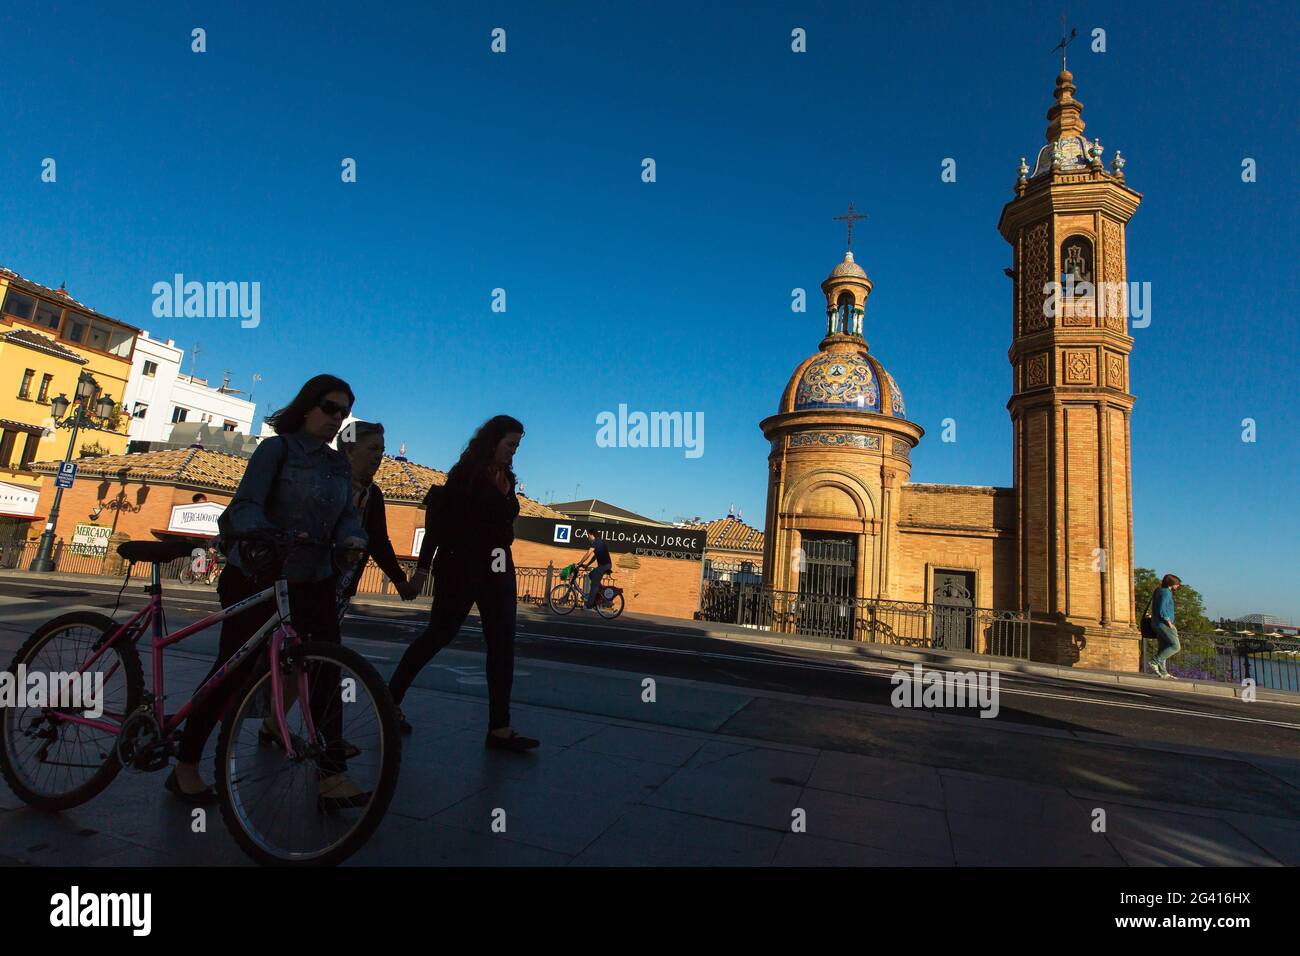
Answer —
(333, 408)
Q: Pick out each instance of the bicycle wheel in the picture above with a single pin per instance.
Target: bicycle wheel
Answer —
(563, 599)
(612, 608)
(187, 575)
(271, 802)
(55, 764)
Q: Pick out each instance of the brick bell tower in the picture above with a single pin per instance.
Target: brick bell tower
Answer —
(1071, 400)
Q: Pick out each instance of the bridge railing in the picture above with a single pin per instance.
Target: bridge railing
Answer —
(1272, 663)
(904, 623)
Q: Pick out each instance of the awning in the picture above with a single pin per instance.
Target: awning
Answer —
(13, 426)
(163, 533)
(10, 514)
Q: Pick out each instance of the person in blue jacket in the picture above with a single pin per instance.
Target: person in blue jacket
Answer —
(295, 483)
(1162, 618)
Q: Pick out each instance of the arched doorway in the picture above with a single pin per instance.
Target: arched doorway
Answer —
(827, 573)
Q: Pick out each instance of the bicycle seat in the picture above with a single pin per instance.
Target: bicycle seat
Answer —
(160, 551)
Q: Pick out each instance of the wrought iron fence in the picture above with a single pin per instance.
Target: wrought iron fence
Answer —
(531, 582)
(1272, 663)
(73, 559)
(737, 572)
(904, 623)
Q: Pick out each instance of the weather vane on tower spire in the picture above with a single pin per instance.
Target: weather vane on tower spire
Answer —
(850, 217)
(1065, 41)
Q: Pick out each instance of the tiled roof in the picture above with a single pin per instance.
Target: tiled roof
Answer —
(595, 506)
(731, 534)
(204, 468)
(191, 466)
(402, 480)
(42, 343)
(27, 285)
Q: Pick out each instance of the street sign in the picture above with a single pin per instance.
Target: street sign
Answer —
(67, 473)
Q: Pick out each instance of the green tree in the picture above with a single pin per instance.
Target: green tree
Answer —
(1189, 607)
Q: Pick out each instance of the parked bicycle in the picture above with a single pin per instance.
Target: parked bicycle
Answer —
(203, 568)
(60, 756)
(570, 594)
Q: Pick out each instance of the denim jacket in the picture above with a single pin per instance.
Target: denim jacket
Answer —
(1162, 605)
(313, 494)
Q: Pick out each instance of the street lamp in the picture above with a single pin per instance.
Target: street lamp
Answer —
(76, 416)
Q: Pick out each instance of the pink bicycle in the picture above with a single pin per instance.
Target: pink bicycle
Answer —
(270, 746)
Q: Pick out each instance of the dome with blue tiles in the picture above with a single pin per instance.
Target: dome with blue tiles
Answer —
(843, 376)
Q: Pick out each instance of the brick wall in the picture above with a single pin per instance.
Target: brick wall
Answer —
(651, 585)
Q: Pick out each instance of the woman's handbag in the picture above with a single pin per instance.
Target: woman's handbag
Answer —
(1146, 625)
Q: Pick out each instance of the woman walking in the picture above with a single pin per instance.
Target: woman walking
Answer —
(471, 527)
(1162, 617)
(294, 484)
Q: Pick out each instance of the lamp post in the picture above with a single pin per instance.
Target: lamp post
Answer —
(78, 418)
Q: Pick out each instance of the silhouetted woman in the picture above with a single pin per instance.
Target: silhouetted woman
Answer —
(294, 483)
(472, 526)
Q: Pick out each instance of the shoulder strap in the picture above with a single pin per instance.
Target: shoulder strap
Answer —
(279, 465)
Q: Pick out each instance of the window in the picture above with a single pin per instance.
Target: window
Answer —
(141, 409)
(178, 414)
(74, 330)
(229, 426)
(151, 369)
(48, 315)
(18, 304)
(29, 450)
(25, 388)
(120, 342)
(97, 338)
(7, 447)
(1076, 263)
(44, 394)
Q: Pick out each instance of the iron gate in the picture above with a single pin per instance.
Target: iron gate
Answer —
(827, 565)
(953, 627)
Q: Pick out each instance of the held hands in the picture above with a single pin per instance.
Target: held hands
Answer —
(410, 590)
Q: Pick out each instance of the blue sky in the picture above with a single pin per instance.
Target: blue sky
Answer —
(522, 171)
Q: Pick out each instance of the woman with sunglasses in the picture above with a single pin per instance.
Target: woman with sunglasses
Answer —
(295, 483)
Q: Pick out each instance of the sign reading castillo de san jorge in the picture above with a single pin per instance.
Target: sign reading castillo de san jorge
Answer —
(564, 532)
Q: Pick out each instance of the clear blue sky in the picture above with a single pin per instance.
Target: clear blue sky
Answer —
(522, 171)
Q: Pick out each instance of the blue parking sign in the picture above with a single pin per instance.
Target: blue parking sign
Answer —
(67, 473)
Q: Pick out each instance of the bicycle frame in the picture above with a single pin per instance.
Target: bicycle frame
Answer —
(278, 627)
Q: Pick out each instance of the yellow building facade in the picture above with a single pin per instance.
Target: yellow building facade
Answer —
(47, 340)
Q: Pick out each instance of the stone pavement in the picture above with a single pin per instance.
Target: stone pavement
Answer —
(711, 775)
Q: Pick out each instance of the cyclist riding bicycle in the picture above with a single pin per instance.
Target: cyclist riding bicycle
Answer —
(599, 558)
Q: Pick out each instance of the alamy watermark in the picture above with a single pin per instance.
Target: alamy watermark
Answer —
(64, 690)
(1098, 298)
(924, 689)
(208, 300)
(651, 430)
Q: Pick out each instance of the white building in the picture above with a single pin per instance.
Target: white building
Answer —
(159, 394)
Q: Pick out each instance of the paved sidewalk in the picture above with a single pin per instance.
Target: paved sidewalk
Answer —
(712, 775)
